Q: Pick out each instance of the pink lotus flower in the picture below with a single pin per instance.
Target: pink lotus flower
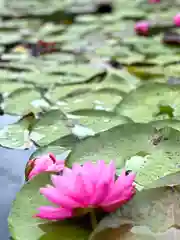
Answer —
(142, 28)
(176, 20)
(86, 187)
(47, 163)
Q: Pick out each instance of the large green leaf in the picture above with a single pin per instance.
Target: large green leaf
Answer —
(152, 214)
(142, 104)
(161, 148)
(23, 225)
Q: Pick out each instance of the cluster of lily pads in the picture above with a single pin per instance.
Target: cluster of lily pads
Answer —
(86, 86)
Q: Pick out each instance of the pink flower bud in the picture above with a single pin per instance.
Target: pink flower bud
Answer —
(176, 20)
(142, 28)
(46, 163)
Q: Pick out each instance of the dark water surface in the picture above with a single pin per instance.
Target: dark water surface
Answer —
(12, 164)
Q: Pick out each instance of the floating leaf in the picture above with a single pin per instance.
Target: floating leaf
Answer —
(7, 87)
(49, 128)
(125, 141)
(24, 100)
(66, 232)
(59, 152)
(152, 214)
(14, 136)
(95, 100)
(17, 135)
(22, 225)
(98, 124)
(142, 104)
(63, 92)
(172, 179)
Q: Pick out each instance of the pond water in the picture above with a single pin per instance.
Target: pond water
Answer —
(12, 165)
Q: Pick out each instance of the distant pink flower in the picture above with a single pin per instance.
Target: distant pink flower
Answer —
(86, 187)
(46, 163)
(142, 28)
(176, 20)
(154, 1)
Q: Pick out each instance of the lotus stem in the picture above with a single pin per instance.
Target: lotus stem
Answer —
(93, 219)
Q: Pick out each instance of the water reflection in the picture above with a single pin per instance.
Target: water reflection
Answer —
(12, 164)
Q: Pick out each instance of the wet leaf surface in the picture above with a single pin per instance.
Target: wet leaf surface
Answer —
(152, 214)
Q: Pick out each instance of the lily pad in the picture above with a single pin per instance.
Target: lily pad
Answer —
(59, 152)
(7, 87)
(17, 135)
(23, 225)
(125, 141)
(142, 104)
(14, 136)
(52, 126)
(24, 100)
(152, 214)
(95, 100)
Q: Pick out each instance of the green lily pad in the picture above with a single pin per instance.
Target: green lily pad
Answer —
(125, 141)
(14, 136)
(23, 225)
(58, 151)
(98, 124)
(24, 100)
(142, 104)
(68, 91)
(7, 87)
(17, 135)
(66, 232)
(49, 128)
(95, 100)
(152, 215)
